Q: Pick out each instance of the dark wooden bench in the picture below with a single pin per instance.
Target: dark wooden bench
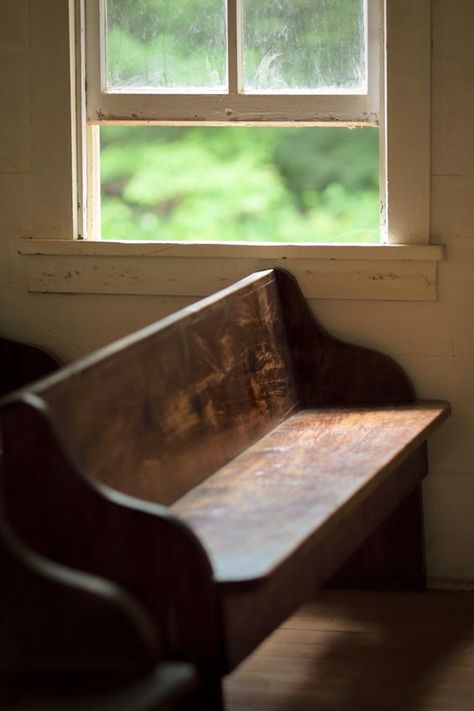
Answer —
(221, 465)
(20, 363)
(73, 641)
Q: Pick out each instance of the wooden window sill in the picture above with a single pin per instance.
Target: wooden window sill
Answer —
(374, 272)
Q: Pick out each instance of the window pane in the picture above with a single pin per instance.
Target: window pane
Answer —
(153, 45)
(304, 45)
(245, 184)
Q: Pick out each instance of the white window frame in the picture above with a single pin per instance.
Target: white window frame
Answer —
(162, 107)
(397, 99)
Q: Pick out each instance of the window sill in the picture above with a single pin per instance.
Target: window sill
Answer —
(375, 272)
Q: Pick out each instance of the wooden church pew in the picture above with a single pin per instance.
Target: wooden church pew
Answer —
(20, 363)
(221, 465)
(73, 641)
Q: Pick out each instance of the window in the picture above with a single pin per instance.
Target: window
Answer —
(273, 77)
(240, 62)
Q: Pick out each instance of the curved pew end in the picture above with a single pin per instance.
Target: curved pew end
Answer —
(141, 547)
(21, 363)
(73, 641)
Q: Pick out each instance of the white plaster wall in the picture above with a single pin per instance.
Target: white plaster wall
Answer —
(434, 342)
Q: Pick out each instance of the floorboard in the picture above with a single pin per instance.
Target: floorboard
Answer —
(357, 650)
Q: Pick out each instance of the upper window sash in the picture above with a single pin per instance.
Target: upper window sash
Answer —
(234, 105)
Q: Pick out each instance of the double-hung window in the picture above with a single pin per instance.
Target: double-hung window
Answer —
(274, 62)
(243, 62)
(271, 62)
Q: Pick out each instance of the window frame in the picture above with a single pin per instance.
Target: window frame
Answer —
(403, 81)
(58, 258)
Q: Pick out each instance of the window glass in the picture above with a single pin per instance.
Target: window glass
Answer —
(154, 45)
(223, 184)
(311, 45)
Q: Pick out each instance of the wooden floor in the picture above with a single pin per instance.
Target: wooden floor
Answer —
(371, 651)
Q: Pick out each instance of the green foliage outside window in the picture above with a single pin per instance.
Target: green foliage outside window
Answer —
(236, 183)
(286, 43)
(240, 184)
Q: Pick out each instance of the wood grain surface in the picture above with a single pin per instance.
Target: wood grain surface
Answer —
(21, 363)
(364, 651)
(332, 372)
(310, 470)
(166, 687)
(58, 623)
(77, 522)
(70, 640)
(189, 393)
(156, 413)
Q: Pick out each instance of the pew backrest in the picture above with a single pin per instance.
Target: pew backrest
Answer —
(157, 412)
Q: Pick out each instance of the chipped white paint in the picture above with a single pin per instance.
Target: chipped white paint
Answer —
(186, 269)
(197, 250)
(178, 276)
